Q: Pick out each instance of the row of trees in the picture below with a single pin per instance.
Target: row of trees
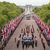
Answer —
(8, 11)
(43, 12)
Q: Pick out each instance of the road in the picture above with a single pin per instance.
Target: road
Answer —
(12, 45)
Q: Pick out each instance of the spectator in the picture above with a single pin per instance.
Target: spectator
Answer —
(0, 34)
(38, 30)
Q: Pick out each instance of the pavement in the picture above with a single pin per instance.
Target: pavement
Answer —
(12, 45)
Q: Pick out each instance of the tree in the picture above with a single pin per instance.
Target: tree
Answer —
(43, 12)
(8, 11)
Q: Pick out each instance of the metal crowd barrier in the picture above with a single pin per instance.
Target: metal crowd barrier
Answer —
(14, 25)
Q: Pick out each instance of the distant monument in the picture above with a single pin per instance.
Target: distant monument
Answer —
(28, 8)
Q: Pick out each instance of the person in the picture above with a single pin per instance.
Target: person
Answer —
(22, 30)
(24, 33)
(23, 37)
(0, 34)
(40, 35)
(28, 29)
(38, 30)
(20, 36)
(43, 43)
(32, 35)
(35, 41)
(32, 29)
(1, 48)
(15, 39)
(32, 39)
(18, 42)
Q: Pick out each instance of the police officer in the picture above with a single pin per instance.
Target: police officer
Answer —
(35, 41)
(43, 43)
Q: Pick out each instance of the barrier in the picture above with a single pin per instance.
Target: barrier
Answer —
(8, 30)
(44, 28)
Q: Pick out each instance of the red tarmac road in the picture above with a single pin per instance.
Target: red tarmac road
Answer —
(12, 45)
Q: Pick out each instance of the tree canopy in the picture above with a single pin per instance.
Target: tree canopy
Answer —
(8, 11)
(43, 12)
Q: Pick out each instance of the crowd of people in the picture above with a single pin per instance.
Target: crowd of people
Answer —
(42, 40)
(45, 29)
(7, 30)
(27, 32)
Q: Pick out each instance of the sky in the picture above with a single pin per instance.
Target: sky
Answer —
(28, 2)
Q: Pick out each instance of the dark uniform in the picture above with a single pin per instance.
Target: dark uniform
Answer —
(18, 42)
(35, 42)
(43, 43)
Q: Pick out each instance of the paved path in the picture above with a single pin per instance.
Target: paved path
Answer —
(12, 45)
